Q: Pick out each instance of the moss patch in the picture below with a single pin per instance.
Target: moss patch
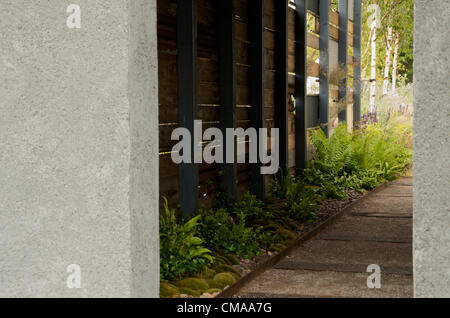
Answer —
(207, 273)
(193, 283)
(271, 227)
(236, 276)
(223, 280)
(278, 247)
(285, 235)
(210, 282)
(220, 259)
(213, 290)
(232, 259)
(167, 290)
(190, 292)
(226, 268)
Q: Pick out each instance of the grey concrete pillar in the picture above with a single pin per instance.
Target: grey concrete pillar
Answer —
(432, 149)
(78, 149)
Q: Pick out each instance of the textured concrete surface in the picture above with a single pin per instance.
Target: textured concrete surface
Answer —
(390, 205)
(334, 262)
(395, 190)
(354, 252)
(431, 149)
(78, 149)
(300, 283)
(371, 227)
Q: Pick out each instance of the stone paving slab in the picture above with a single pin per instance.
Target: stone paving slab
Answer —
(393, 228)
(304, 283)
(353, 252)
(404, 181)
(396, 206)
(376, 230)
(396, 189)
(341, 267)
(369, 238)
(382, 215)
(398, 195)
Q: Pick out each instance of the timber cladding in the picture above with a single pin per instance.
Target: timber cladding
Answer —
(208, 82)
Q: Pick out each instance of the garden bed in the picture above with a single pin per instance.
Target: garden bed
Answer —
(217, 251)
(328, 209)
(249, 269)
(329, 212)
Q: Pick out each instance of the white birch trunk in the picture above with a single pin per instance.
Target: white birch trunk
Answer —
(373, 66)
(387, 62)
(394, 66)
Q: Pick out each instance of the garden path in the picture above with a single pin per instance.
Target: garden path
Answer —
(376, 230)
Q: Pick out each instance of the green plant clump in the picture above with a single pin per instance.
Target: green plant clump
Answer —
(205, 246)
(182, 251)
(296, 199)
(222, 232)
(252, 208)
(358, 161)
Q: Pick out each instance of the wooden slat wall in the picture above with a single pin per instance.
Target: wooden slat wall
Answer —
(208, 83)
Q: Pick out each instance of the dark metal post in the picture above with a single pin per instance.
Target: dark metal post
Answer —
(357, 63)
(300, 85)
(187, 98)
(256, 36)
(227, 70)
(343, 49)
(324, 15)
(281, 79)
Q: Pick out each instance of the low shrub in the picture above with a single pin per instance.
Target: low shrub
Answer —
(359, 161)
(251, 208)
(222, 232)
(296, 200)
(182, 251)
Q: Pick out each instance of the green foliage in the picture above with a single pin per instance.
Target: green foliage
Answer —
(221, 268)
(359, 161)
(223, 232)
(222, 280)
(193, 284)
(299, 201)
(356, 161)
(167, 290)
(190, 292)
(182, 252)
(206, 273)
(251, 208)
(222, 199)
(302, 202)
(281, 186)
(398, 14)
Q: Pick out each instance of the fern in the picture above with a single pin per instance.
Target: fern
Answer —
(182, 251)
(356, 161)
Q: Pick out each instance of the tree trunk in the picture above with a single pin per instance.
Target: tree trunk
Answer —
(394, 66)
(373, 65)
(387, 62)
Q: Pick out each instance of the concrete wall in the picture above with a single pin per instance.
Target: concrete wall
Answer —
(78, 149)
(432, 149)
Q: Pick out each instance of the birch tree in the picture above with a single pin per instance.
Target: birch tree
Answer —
(394, 66)
(395, 14)
(387, 61)
(373, 61)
